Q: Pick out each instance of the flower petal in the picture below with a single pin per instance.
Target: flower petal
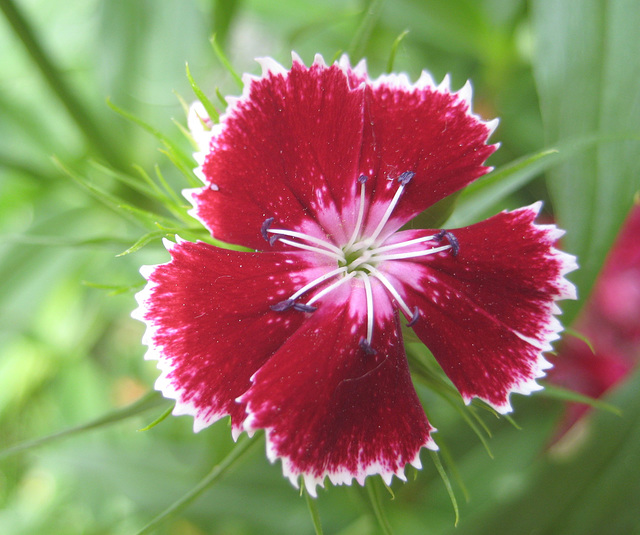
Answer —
(423, 129)
(288, 148)
(486, 313)
(210, 326)
(332, 409)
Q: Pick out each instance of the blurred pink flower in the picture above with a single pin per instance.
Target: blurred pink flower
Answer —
(611, 323)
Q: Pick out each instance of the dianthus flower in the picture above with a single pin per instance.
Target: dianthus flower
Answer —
(317, 170)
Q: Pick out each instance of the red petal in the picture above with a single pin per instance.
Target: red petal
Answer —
(487, 313)
(293, 146)
(331, 409)
(210, 326)
(426, 130)
(288, 149)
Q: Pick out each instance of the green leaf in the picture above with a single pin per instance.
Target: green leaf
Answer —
(564, 394)
(159, 419)
(447, 483)
(394, 50)
(371, 484)
(587, 70)
(225, 61)
(208, 106)
(370, 17)
(150, 401)
(313, 511)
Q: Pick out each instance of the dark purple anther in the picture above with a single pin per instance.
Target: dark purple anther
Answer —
(301, 307)
(274, 238)
(283, 305)
(453, 241)
(265, 228)
(366, 346)
(414, 318)
(362, 179)
(406, 177)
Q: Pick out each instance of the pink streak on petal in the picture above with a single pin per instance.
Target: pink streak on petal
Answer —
(288, 149)
(487, 314)
(332, 410)
(209, 324)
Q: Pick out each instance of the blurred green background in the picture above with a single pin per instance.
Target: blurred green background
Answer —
(559, 73)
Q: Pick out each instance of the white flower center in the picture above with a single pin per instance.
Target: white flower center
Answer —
(358, 258)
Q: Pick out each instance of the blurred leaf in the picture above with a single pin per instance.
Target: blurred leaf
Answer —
(587, 68)
(565, 394)
(594, 490)
(151, 400)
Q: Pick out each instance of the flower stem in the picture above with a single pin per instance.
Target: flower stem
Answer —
(218, 471)
(65, 94)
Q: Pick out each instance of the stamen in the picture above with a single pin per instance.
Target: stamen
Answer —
(369, 295)
(317, 281)
(403, 179)
(301, 307)
(413, 254)
(331, 287)
(356, 230)
(455, 245)
(293, 234)
(414, 318)
(405, 243)
(336, 257)
(366, 347)
(387, 284)
(406, 177)
(283, 305)
(265, 228)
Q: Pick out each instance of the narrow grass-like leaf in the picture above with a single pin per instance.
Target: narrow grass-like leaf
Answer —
(145, 403)
(453, 467)
(115, 289)
(132, 182)
(241, 448)
(208, 106)
(489, 191)
(376, 506)
(159, 419)
(363, 33)
(447, 483)
(564, 394)
(580, 336)
(58, 241)
(144, 240)
(225, 61)
(394, 50)
(166, 141)
(314, 513)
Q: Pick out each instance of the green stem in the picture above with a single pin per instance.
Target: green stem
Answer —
(71, 102)
(218, 471)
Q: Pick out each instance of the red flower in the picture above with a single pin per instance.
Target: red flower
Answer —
(316, 170)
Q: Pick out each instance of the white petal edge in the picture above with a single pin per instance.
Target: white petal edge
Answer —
(155, 352)
(552, 329)
(342, 477)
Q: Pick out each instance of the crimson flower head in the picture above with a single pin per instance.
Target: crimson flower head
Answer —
(317, 171)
